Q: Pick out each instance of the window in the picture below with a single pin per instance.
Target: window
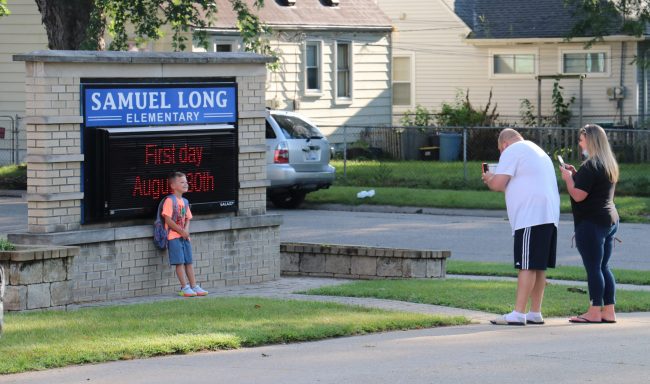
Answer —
(270, 134)
(584, 62)
(312, 67)
(514, 64)
(402, 80)
(343, 70)
(223, 47)
(295, 128)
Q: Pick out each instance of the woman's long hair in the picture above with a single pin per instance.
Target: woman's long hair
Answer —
(600, 151)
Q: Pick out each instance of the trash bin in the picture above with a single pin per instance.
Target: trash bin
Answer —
(450, 146)
(429, 153)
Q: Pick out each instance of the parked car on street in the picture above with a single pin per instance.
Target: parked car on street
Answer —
(297, 158)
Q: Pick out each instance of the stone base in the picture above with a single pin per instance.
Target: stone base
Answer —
(119, 263)
(37, 276)
(360, 262)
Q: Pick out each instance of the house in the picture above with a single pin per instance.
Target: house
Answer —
(334, 59)
(441, 47)
(20, 32)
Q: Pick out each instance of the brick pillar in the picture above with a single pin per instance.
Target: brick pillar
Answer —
(53, 151)
(252, 145)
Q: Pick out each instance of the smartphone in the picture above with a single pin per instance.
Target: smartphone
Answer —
(561, 160)
(485, 167)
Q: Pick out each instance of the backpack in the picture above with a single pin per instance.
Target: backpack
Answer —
(159, 232)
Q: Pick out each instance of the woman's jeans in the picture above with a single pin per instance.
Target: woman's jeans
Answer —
(595, 243)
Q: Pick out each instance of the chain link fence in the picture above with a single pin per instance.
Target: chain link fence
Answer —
(10, 142)
(451, 157)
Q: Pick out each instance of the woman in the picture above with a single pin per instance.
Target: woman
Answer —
(595, 220)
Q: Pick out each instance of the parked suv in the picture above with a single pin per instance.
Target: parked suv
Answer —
(297, 158)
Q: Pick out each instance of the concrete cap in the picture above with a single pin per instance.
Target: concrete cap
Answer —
(54, 56)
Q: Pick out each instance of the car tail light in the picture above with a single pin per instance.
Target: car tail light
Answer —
(281, 154)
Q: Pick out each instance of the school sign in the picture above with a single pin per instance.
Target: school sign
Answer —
(132, 105)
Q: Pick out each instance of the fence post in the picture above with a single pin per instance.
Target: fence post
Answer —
(345, 151)
(465, 154)
(14, 141)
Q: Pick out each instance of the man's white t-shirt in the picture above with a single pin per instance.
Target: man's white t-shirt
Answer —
(532, 196)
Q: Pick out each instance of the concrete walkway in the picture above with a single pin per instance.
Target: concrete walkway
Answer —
(286, 287)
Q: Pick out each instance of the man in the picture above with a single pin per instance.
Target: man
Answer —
(527, 176)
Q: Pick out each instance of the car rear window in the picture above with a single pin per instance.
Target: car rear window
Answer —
(295, 128)
(269, 131)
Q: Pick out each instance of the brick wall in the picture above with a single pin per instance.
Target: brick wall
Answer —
(129, 268)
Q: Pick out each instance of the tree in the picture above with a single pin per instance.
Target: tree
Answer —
(3, 8)
(599, 18)
(82, 24)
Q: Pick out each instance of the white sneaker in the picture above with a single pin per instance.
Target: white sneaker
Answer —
(508, 320)
(199, 291)
(534, 319)
(186, 291)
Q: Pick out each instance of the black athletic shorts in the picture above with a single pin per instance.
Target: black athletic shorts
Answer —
(535, 247)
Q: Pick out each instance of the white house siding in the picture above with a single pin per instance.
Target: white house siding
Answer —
(371, 100)
(20, 32)
(446, 63)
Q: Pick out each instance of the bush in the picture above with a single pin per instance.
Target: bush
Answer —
(463, 114)
(5, 245)
(13, 177)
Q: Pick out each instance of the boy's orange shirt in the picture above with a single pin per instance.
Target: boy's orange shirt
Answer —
(184, 214)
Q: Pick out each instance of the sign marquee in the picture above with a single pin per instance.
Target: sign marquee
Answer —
(141, 161)
(150, 106)
(136, 134)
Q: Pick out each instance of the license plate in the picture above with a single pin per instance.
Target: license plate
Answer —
(312, 156)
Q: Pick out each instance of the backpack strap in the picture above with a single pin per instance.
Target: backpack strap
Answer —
(174, 208)
(160, 207)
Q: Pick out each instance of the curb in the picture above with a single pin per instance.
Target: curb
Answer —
(416, 210)
(13, 193)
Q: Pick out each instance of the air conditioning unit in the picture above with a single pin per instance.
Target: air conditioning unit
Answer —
(334, 2)
(616, 93)
(291, 2)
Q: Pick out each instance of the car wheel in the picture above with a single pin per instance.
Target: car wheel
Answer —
(289, 200)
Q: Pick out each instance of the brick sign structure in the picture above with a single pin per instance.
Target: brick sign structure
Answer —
(133, 104)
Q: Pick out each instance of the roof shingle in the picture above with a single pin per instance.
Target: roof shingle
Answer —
(511, 19)
(310, 13)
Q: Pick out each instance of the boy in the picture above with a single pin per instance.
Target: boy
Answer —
(179, 246)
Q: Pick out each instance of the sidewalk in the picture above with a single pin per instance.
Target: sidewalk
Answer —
(285, 287)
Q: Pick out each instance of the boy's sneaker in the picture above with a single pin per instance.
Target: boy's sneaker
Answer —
(534, 318)
(186, 291)
(199, 291)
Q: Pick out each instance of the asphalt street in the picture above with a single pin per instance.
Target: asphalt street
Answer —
(471, 238)
(14, 215)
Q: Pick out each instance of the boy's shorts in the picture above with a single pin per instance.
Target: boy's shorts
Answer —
(535, 247)
(180, 251)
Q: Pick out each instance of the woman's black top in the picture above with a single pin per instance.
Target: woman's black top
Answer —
(599, 206)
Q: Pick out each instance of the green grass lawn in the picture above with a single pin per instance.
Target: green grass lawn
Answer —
(631, 209)
(488, 296)
(634, 180)
(13, 177)
(41, 340)
(623, 276)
